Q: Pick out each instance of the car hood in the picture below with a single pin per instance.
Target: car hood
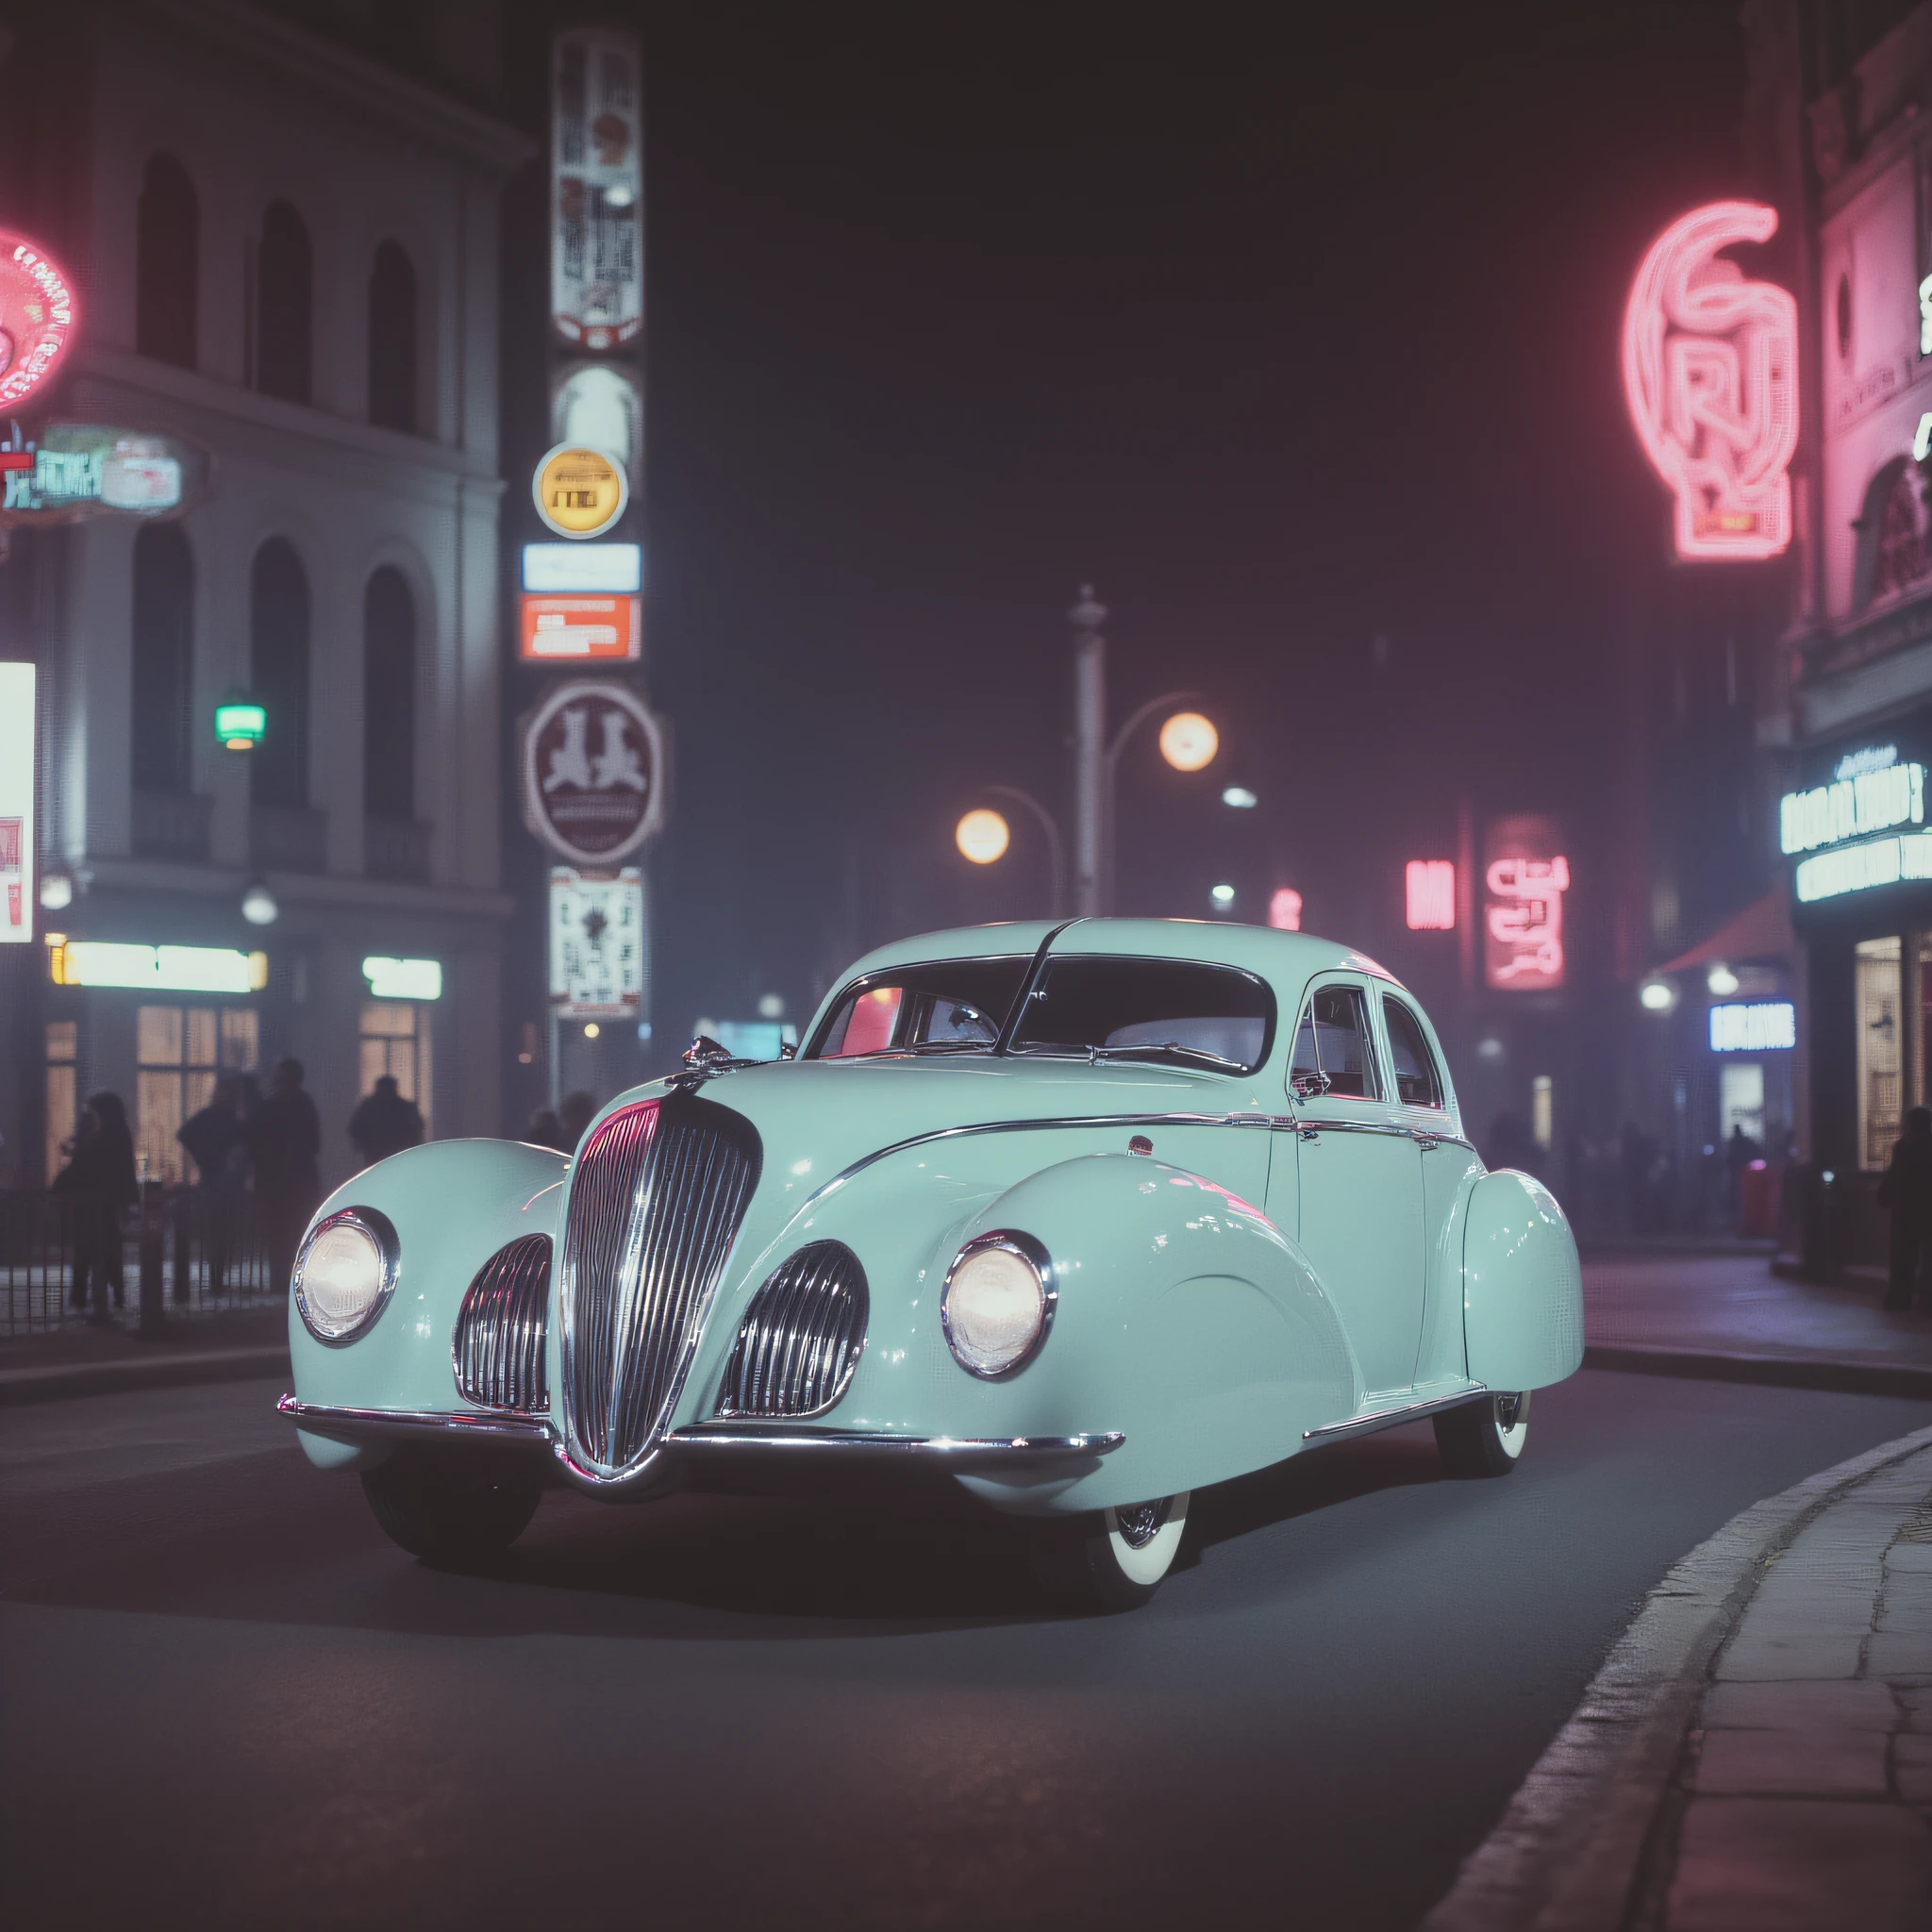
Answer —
(818, 1118)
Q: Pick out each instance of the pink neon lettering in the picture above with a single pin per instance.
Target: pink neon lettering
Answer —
(1710, 372)
(1524, 920)
(1430, 893)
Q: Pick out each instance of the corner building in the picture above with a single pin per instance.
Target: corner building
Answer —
(285, 244)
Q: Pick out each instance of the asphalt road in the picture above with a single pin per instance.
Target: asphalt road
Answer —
(226, 1701)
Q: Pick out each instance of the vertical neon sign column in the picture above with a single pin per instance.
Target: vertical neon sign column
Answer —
(1524, 879)
(1710, 372)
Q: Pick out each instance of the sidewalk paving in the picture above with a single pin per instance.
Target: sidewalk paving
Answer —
(1727, 1316)
(76, 1359)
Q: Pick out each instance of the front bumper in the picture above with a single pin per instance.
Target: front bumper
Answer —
(705, 1443)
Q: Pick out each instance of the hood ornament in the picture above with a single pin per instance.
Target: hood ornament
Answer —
(705, 1058)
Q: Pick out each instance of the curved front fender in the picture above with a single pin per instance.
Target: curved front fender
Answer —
(453, 1202)
(1521, 1285)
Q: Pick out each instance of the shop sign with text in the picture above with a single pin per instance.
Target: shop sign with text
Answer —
(596, 943)
(593, 773)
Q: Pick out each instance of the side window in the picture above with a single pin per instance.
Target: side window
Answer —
(1417, 1083)
(1333, 1042)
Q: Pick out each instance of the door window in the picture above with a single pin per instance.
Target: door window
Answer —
(1332, 1044)
(1417, 1082)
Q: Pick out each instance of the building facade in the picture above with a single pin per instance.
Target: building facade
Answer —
(286, 251)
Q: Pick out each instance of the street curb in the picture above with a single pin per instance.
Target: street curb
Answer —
(1570, 1849)
(1849, 1378)
(20, 1385)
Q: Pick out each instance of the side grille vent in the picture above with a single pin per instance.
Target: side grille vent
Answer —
(499, 1347)
(655, 1203)
(802, 1337)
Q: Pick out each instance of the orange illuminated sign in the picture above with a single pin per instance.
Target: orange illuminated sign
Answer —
(561, 629)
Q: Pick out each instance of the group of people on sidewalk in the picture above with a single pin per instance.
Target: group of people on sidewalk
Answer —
(1906, 1191)
(270, 1145)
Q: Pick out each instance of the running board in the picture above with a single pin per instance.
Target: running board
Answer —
(1391, 1418)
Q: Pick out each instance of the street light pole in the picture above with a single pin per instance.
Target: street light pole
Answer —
(1090, 750)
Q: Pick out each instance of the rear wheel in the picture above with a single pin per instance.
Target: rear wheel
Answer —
(446, 1521)
(1484, 1438)
(1113, 1560)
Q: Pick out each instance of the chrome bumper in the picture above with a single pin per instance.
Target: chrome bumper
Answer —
(704, 1440)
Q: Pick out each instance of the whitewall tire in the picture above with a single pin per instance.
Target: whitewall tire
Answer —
(1484, 1438)
(1113, 1560)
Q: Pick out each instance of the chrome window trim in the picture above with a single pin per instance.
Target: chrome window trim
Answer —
(382, 1231)
(1031, 1251)
(1441, 1103)
(1372, 1036)
(810, 1050)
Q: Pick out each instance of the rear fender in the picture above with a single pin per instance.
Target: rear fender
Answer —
(1521, 1285)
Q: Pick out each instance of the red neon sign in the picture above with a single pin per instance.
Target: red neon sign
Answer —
(1430, 889)
(1710, 372)
(1524, 879)
(37, 315)
(1285, 910)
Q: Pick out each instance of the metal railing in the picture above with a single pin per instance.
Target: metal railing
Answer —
(65, 1258)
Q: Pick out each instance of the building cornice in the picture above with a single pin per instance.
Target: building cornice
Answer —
(292, 888)
(349, 81)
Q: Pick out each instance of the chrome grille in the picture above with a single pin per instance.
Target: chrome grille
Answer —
(656, 1201)
(802, 1337)
(499, 1345)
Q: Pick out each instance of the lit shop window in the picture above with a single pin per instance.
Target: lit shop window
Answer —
(395, 1041)
(1880, 1057)
(179, 1053)
(63, 1088)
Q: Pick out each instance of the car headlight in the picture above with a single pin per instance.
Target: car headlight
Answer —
(998, 1302)
(345, 1274)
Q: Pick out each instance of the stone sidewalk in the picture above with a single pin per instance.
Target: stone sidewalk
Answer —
(1804, 1795)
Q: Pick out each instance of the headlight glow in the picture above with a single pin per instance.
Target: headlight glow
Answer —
(998, 1303)
(345, 1274)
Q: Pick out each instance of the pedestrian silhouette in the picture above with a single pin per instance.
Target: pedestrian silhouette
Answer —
(384, 1123)
(284, 1138)
(100, 1173)
(1907, 1190)
(575, 1115)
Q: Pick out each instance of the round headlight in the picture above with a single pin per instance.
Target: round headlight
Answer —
(345, 1273)
(998, 1302)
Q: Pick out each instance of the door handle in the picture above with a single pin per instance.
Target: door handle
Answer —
(1428, 1142)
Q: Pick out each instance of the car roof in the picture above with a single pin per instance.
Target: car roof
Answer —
(1285, 960)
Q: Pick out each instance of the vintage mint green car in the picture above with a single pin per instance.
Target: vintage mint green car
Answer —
(1083, 1216)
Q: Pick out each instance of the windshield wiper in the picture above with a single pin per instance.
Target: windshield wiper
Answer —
(1172, 1047)
(946, 1046)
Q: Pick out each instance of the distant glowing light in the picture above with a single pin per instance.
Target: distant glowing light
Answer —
(1222, 895)
(591, 1029)
(1922, 435)
(1188, 741)
(1656, 995)
(1760, 1026)
(1925, 317)
(240, 724)
(1722, 980)
(1240, 797)
(982, 836)
(771, 1006)
(258, 907)
(1285, 910)
(1710, 373)
(403, 980)
(56, 889)
(1430, 891)
(160, 969)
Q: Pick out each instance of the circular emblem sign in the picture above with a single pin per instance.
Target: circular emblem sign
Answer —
(579, 492)
(36, 318)
(593, 773)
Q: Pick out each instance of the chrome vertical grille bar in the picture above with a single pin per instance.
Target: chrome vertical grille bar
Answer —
(656, 1201)
(800, 1337)
(498, 1350)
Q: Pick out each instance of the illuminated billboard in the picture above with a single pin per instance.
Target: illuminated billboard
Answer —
(1710, 373)
(598, 190)
(37, 318)
(1525, 876)
(580, 629)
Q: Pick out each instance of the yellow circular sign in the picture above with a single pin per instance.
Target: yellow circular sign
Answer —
(579, 492)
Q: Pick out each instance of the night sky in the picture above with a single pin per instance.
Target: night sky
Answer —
(1283, 333)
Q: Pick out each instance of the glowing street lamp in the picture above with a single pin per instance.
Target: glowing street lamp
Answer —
(982, 836)
(241, 723)
(1656, 995)
(1188, 742)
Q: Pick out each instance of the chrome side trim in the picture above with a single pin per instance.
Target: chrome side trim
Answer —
(1390, 1418)
(378, 1425)
(975, 1451)
(1089, 1120)
(1423, 1136)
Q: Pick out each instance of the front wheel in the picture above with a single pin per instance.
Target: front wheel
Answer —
(445, 1522)
(1484, 1438)
(1113, 1560)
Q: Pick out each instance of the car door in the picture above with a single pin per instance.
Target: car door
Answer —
(1421, 1093)
(1359, 1182)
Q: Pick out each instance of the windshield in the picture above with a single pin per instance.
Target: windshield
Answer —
(1178, 1011)
(951, 1005)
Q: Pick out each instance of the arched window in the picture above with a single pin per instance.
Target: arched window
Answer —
(167, 260)
(279, 673)
(389, 697)
(163, 658)
(392, 340)
(1894, 546)
(283, 305)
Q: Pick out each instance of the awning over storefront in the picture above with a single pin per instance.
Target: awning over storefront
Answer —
(1761, 931)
